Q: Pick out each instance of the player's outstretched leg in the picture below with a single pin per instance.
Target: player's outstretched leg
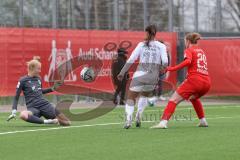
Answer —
(49, 112)
(169, 110)
(200, 112)
(129, 108)
(28, 116)
(142, 103)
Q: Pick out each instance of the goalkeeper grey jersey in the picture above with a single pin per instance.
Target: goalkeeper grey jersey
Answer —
(32, 91)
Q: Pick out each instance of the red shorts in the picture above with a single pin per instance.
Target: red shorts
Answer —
(196, 86)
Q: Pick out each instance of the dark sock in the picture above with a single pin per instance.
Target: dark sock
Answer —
(34, 119)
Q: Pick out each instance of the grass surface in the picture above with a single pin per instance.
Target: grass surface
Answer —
(109, 141)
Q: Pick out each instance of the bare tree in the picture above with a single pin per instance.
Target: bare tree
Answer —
(235, 11)
(96, 14)
(231, 8)
(129, 13)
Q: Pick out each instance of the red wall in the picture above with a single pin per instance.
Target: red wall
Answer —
(18, 45)
(223, 56)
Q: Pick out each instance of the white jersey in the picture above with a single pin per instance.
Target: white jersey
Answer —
(151, 59)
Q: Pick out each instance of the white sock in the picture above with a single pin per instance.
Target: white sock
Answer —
(142, 103)
(203, 120)
(164, 122)
(50, 121)
(152, 99)
(129, 111)
(47, 121)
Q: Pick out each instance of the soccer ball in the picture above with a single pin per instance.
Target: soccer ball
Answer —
(87, 74)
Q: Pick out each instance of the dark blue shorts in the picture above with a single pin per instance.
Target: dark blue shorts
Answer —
(46, 111)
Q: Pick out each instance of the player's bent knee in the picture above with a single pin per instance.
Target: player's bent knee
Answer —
(147, 94)
(24, 115)
(132, 95)
(176, 98)
(130, 102)
(192, 98)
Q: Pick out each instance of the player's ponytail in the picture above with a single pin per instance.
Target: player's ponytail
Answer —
(151, 33)
(193, 37)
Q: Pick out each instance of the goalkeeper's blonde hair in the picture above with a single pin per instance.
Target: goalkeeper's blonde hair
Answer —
(34, 63)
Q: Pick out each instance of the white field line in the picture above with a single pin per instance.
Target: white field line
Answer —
(57, 128)
(90, 125)
(179, 108)
(205, 108)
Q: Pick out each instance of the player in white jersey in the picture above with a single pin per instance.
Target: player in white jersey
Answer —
(152, 57)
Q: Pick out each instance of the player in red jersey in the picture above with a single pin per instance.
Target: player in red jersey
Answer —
(194, 86)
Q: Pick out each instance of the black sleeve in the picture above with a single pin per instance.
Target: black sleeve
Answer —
(169, 59)
(47, 90)
(119, 65)
(115, 69)
(17, 95)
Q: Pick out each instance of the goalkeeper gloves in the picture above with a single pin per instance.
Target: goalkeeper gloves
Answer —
(13, 115)
(56, 85)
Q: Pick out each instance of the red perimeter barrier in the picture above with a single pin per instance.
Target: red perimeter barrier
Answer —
(19, 45)
(223, 56)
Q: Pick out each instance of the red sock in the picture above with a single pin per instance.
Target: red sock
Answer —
(169, 110)
(198, 108)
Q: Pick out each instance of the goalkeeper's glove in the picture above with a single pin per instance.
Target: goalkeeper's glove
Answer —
(56, 85)
(13, 115)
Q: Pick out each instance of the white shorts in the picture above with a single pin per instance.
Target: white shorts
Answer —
(137, 86)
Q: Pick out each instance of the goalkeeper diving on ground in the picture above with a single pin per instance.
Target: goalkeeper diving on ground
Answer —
(37, 105)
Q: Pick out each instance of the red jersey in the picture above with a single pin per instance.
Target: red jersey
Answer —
(198, 61)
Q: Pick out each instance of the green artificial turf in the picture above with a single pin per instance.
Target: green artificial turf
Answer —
(105, 139)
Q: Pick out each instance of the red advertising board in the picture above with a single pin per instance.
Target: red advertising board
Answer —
(19, 45)
(223, 56)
